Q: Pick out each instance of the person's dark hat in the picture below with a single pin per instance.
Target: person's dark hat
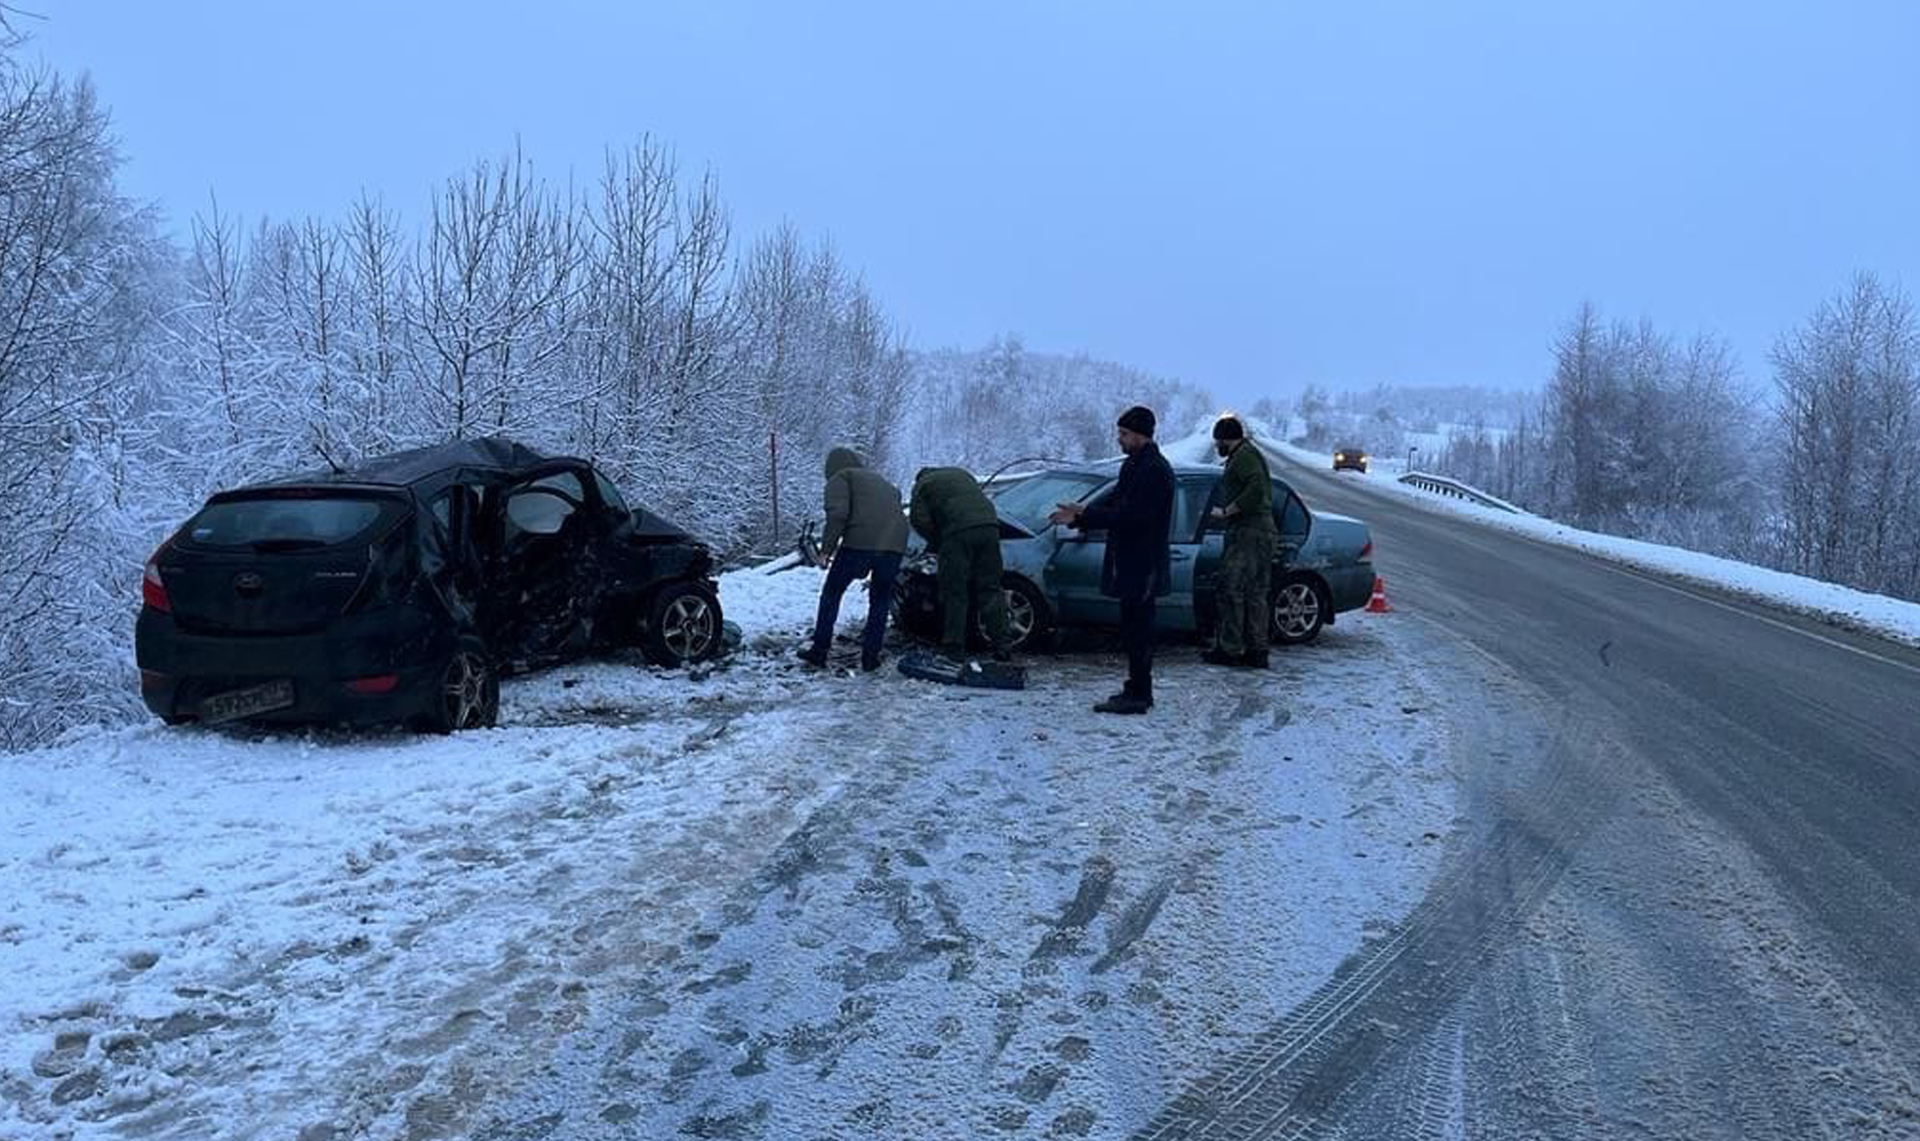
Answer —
(1138, 419)
(1229, 428)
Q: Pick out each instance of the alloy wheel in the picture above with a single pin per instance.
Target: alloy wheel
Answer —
(1020, 617)
(465, 690)
(687, 627)
(1296, 610)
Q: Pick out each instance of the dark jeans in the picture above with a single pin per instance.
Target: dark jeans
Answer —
(848, 567)
(1136, 634)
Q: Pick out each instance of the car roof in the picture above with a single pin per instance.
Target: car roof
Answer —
(495, 455)
(1107, 469)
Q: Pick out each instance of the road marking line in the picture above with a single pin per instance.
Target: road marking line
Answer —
(1727, 606)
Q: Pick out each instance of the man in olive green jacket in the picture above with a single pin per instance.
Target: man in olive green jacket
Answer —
(866, 533)
(963, 531)
(1246, 565)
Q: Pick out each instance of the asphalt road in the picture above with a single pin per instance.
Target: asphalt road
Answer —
(1690, 902)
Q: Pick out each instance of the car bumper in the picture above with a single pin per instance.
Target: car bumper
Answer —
(180, 670)
(1349, 587)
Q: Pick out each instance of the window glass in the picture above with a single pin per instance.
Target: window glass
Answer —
(537, 511)
(1191, 498)
(285, 520)
(564, 482)
(1028, 501)
(1293, 515)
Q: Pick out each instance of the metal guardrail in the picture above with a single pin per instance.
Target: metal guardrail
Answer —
(1441, 485)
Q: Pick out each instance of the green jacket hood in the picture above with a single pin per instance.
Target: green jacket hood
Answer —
(840, 459)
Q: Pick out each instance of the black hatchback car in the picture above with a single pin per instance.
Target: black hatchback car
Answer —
(402, 589)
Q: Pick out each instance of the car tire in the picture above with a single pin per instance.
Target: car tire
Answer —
(175, 720)
(1029, 619)
(681, 623)
(466, 691)
(1298, 611)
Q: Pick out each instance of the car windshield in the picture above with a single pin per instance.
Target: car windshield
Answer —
(284, 521)
(1029, 500)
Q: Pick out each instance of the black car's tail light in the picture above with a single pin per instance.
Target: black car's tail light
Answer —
(153, 590)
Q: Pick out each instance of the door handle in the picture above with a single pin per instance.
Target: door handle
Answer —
(1180, 557)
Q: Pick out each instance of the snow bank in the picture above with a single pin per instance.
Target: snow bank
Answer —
(1840, 605)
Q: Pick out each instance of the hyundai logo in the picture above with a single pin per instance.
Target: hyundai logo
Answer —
(248, 583)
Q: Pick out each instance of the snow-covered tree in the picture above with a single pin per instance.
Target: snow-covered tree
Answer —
(78, 269)
(1849, 387)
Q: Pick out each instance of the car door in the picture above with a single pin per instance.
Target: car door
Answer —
(455, 570)
(544, 571)
(616, 563)
(1291, 519)
(1206, 564)
(1294, 522)
(1073, 575)
(1192, 497)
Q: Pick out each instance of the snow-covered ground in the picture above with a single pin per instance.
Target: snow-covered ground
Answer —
(706, 886)
(1843, 606)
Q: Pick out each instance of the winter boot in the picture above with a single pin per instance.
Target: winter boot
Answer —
(1125, 704)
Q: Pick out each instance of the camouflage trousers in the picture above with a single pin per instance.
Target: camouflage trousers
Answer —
(1242, 594)
(969, 573)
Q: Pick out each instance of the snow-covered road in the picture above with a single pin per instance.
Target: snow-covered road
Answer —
(759, 902)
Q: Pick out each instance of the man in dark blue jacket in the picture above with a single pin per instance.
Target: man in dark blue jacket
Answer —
(1135, 515)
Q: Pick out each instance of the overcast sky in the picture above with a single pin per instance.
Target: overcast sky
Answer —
(1247, 196)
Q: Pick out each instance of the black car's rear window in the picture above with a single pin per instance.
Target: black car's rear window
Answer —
(287, 521)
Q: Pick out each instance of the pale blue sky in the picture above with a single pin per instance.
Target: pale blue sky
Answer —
(1250, 196)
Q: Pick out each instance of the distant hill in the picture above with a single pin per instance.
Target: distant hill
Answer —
(982, 408)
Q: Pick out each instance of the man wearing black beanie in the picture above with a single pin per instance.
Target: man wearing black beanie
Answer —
(1243, 607)
(1135, 515)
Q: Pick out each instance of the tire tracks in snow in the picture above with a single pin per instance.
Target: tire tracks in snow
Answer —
(1301, 1075)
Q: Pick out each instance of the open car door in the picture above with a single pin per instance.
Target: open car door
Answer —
(543, 584)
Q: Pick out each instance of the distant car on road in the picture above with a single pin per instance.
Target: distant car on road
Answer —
(1052, 577)
(1350, 459)
(402, 589)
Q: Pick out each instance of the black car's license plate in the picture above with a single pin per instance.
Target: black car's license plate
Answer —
(239, 703)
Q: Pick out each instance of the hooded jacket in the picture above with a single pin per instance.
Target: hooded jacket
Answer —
(863, 509)
(947, 501)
